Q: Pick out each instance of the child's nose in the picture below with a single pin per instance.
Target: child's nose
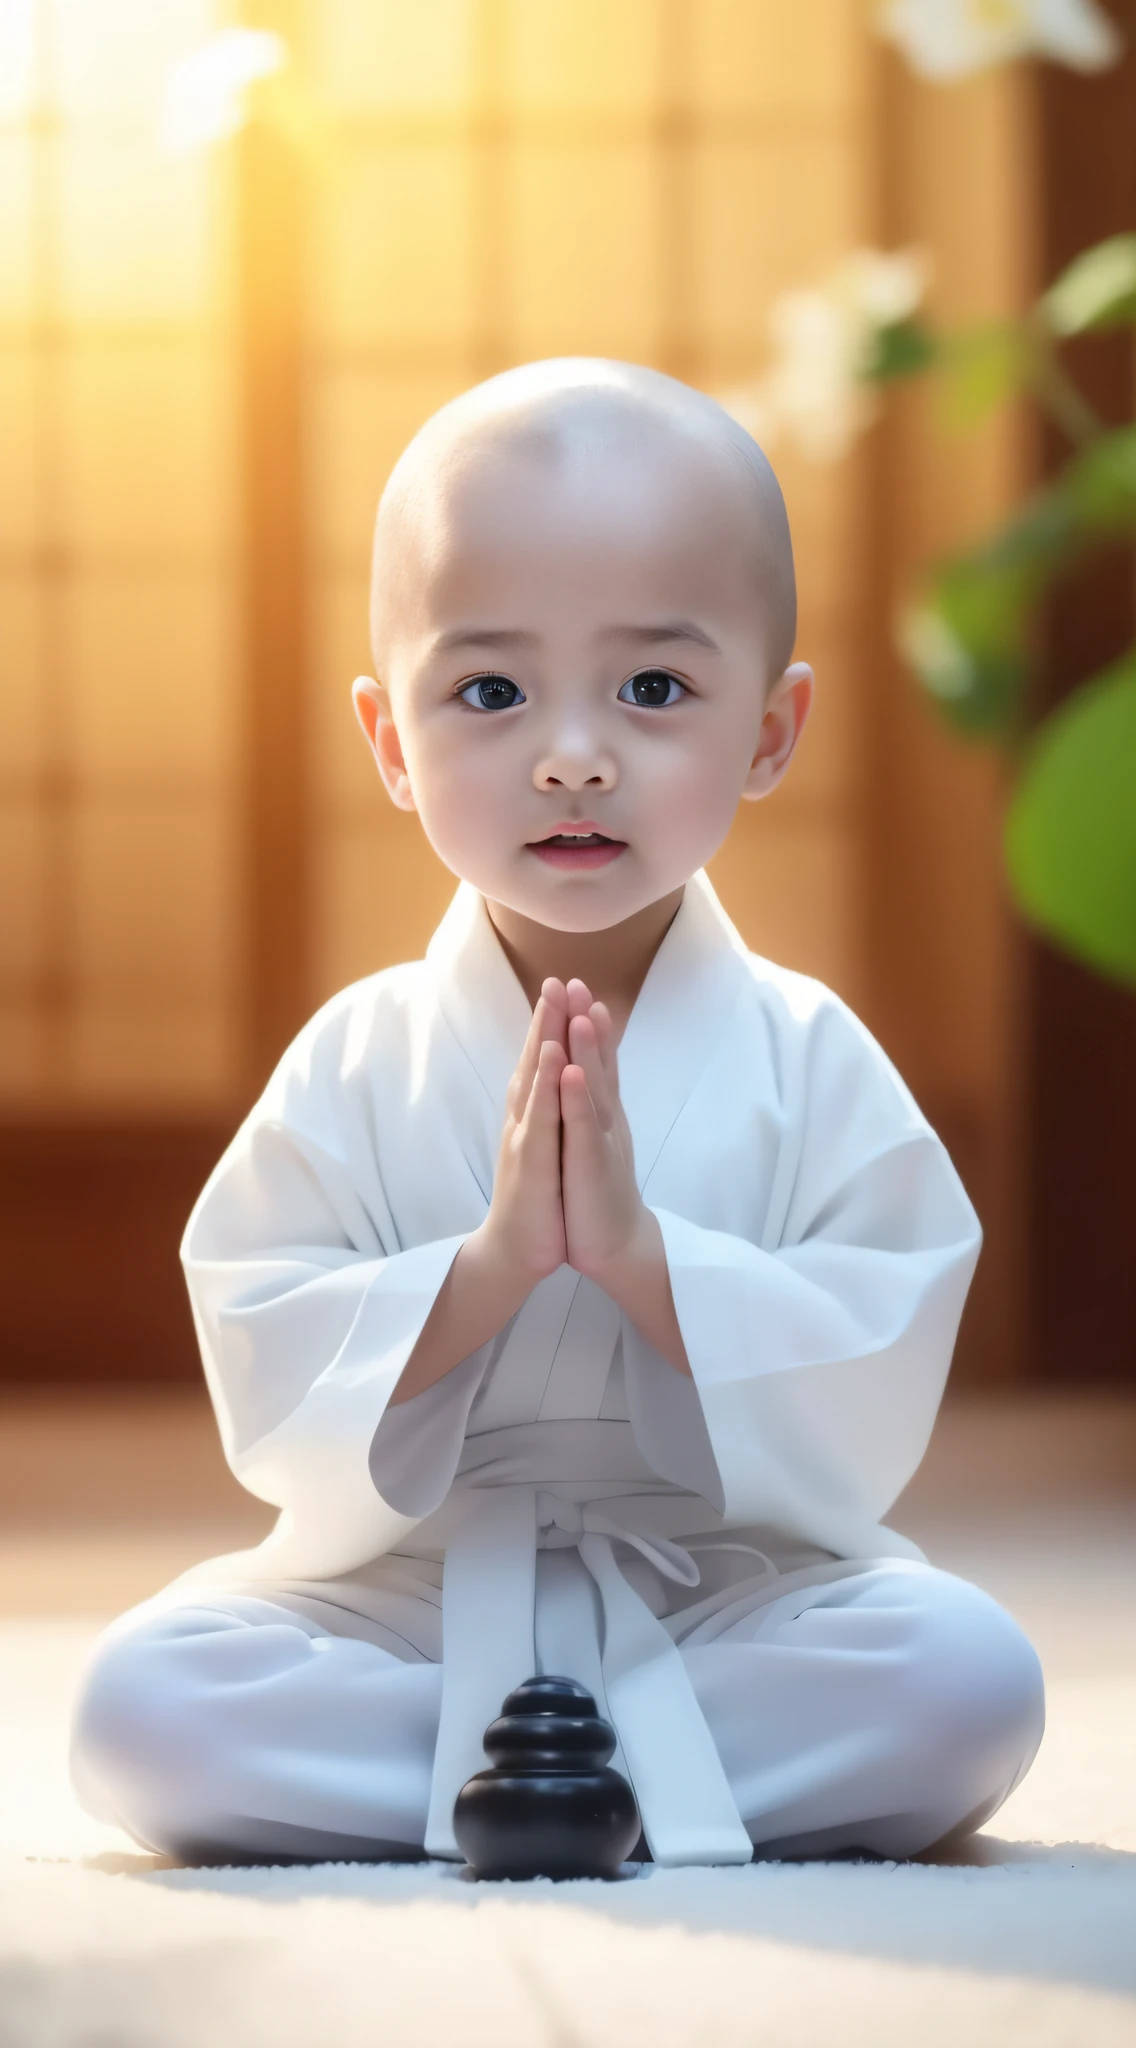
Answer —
(573, 761)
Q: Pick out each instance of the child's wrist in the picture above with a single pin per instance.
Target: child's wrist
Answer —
(638, 1256)
(498, 1267)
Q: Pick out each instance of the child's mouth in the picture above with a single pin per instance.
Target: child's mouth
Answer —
(578, 850)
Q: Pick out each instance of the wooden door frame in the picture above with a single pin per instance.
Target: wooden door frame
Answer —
(1081, 1206)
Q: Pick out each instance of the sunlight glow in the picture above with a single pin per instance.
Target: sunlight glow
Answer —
(206, 91)
(17, 52)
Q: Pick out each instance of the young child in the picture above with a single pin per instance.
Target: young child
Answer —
(583, 1294)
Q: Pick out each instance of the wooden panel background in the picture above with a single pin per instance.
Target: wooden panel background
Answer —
(957, 174)
(119, 942)
(208, 365)
(640, 180)
(1082, 1030)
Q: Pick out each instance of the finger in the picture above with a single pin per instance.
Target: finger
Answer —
(585, 1052)
(548, 1021)
(579, 997)
(554, 998)
(584, 1161)
(542, 1111)
(541, 1132)
(576, 1106)
(605, 1039)
(522, 1079)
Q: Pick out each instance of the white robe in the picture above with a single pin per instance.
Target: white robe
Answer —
(820, 1246)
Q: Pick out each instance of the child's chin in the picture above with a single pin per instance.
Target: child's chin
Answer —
(581, 906)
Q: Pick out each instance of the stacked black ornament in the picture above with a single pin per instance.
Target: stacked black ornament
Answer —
(550, 1807)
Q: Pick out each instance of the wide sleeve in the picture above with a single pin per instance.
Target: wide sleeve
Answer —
(307, 1311)
(819, 1354)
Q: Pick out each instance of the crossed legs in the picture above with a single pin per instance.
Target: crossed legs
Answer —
(881, 1712)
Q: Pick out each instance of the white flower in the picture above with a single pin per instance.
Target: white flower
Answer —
(205, 91)
(822, 342)
(928, 644)
(945, 39)
(813, 387)
(882, 290)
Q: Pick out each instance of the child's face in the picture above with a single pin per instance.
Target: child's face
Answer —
(582, 643)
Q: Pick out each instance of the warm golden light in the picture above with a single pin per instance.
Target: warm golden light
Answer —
(466, 201)
(17, 56)
(206, 91)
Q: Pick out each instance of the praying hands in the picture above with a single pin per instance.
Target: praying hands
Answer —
(565, 1189)
(564, 1192)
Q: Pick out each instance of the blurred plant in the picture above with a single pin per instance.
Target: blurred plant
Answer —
(1071, 825)
(947, 39)
(971, 637)
(824, 343)
(1070, 834)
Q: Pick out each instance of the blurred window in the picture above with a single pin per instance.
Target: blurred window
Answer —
(485, 180)
(117, 672)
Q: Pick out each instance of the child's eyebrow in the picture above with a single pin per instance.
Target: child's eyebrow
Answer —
(516, 636)
(483, 636)
(657, 636)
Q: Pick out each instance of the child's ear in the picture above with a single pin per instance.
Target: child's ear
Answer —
(786, 709)
(372, 709)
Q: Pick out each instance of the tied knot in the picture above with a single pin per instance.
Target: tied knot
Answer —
(563, 1524)
(688, 1810)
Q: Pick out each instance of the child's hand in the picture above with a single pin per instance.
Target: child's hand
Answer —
(524, 1229)
(603, 1210)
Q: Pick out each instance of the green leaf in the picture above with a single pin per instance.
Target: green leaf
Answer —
(969, 641)
(1101, 485)
(1097, 290)
(1043, 534)
(1071, 827)
(967, 644)
(983, 368)
(904, 349)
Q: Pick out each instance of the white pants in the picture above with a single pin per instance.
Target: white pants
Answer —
(879, 1712)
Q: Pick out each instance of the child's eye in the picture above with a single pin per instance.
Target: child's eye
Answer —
(652, 688)
(491, 693)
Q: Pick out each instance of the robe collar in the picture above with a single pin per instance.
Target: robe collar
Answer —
(670, 1035)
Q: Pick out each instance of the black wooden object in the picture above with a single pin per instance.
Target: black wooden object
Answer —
(549, 1807)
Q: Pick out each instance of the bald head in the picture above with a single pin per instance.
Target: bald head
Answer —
(560, 416)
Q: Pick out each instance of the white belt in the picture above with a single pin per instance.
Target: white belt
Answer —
(688, 1811)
